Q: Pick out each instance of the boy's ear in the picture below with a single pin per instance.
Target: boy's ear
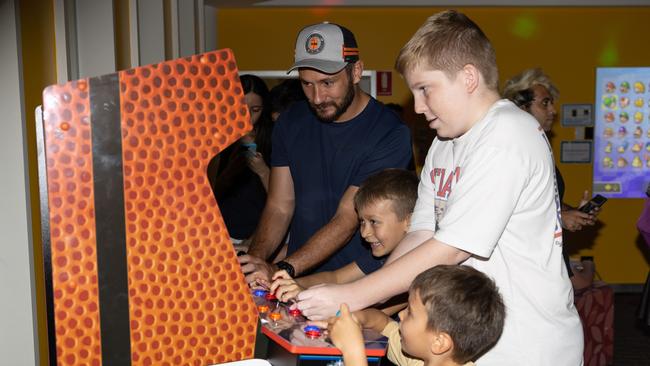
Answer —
(472, 77)
(407, 222)
(442, 343)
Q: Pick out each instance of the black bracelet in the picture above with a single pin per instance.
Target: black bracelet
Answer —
(287, 267)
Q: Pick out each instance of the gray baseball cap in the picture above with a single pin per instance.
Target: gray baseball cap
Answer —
(326, 47)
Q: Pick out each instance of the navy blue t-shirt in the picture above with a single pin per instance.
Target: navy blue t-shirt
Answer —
(327, 158)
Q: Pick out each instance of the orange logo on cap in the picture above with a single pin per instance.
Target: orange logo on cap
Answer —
(314, 43)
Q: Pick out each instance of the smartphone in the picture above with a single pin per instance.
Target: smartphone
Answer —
(594, 202)
(251, 148)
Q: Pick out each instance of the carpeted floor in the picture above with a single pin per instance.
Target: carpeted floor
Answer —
(631, 340)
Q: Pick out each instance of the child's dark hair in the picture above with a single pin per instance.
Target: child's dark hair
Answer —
(397, 185)
(464, 303)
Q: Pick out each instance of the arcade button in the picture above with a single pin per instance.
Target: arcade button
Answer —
(269, 296)
(295, 312)
(260, 293)
(275, 316)
(312, 331)
(263, 309)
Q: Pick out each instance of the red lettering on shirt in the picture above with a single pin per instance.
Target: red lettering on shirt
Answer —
(444, 182)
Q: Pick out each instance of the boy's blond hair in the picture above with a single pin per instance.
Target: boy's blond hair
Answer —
(396, 185)
(448, 41)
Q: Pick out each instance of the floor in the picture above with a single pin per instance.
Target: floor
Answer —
(631, 341)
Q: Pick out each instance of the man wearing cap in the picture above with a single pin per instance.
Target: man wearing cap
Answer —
(323, 149)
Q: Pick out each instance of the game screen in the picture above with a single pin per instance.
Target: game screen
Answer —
(622, 132)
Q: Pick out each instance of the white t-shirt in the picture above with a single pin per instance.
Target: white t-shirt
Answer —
(492, 193)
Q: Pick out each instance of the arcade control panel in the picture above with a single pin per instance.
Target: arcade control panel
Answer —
(296, 343)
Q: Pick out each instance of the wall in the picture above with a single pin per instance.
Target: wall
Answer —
(568, 42)
(18, 337)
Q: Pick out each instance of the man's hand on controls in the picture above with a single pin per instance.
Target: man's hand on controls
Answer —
(257, 270)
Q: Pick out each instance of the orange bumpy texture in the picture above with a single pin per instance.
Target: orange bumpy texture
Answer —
(188, 301)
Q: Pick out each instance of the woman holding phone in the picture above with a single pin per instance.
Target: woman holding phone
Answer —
(240, 174)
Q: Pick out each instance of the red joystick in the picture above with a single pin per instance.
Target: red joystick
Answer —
(295, 312)
(312, 331)
(270, 296)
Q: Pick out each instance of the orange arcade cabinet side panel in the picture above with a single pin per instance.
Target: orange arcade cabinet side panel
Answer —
(140, 269)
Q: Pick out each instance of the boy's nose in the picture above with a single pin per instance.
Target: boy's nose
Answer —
(419, 106)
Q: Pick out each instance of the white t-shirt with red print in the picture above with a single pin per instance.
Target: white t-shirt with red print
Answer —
(492, 193)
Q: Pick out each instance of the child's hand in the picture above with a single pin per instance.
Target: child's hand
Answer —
(284, 287)
(345, 333)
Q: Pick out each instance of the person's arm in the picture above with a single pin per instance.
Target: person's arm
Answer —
(345, 333)
(372, 319)
(273, 225)
(348, 273)
(393, 278)
(573, 219)
(330, 238)
(287, 288)
(257, 164)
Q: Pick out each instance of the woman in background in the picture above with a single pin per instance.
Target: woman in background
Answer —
(240, 174)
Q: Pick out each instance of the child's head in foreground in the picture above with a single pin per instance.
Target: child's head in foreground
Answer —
(448, 62)
(454, 312)
(384, 203)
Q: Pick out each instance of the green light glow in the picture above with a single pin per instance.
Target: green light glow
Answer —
(525, 27)
(609, 54)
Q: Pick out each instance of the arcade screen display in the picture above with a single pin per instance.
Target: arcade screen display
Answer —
(622, 132)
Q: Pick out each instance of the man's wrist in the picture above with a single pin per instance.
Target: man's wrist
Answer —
(287, 267)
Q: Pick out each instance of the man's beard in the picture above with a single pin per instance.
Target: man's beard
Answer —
(319, 109)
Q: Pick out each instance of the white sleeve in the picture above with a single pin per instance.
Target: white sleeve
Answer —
(483, 199)
(423, 217)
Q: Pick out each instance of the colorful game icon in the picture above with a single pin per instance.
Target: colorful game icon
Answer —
(639, 87)
(622, 147)
(625, 101)
(624, 117)
(610, 101)
(647, 146)
(622, 131)
(638, 102)
(637, 147)
(608, 132)
(638, 117)
(312, 331)
(621, 162)
(625, 87)
(637, 163)
(610, 87)
(638, 132)
(608, 147)
(609, 117)
(607, 162)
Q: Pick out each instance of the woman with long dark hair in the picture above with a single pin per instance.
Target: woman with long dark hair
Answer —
(240, 174)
